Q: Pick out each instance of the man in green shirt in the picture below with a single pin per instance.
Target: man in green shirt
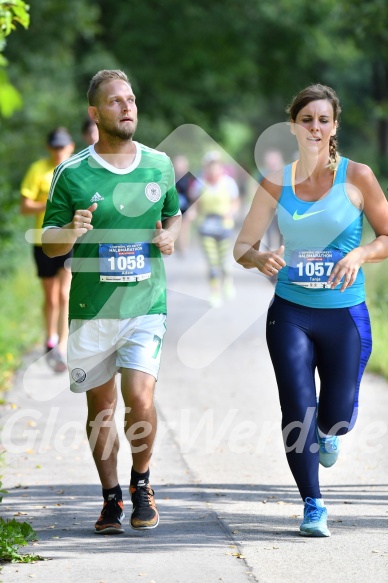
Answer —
(116, 204)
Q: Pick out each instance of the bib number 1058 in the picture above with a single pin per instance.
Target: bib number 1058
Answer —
(128, 262)
(122, 263)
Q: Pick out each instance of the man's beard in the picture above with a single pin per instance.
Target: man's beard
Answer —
(122, 133)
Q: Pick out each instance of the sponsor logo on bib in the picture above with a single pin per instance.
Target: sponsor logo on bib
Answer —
(153, 191)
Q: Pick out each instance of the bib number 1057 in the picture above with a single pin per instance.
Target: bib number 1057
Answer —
(317, 269)
(312, 268)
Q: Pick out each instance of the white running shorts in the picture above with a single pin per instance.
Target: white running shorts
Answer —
(97, 349)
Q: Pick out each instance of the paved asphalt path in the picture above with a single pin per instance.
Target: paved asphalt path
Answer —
(229, 509)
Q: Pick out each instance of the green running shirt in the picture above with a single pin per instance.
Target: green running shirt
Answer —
(130, 201)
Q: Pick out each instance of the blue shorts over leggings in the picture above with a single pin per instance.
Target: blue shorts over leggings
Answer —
(337, 342)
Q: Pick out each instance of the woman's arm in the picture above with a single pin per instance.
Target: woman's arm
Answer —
(363, 183)
(246, 250)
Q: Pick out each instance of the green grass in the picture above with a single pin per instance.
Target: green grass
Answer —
(13, 535)
(377, 300)
(21, 320)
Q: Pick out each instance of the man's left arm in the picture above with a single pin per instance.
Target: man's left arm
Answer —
(169, 226)
(167, 233)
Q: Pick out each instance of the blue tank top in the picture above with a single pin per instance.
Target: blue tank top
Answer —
(316, 235)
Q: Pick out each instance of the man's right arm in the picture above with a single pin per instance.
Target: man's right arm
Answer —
(58, 241)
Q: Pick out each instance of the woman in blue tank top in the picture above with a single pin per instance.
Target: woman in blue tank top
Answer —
(317, 319)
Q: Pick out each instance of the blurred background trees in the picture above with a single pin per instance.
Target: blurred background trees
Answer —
(228, 67)
(202, 63)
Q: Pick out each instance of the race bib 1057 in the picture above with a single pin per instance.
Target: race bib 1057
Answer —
(312, 268)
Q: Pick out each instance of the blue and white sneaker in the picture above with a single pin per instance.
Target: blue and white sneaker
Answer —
(329, 448)
(315, 518)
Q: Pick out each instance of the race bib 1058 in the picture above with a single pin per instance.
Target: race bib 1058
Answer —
(312, 268)
(125, 262)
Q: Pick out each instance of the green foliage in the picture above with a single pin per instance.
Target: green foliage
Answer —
(20, 317)
(377, 295)
(11, 13)
(2, 492)
(10, 98)
(14, 535)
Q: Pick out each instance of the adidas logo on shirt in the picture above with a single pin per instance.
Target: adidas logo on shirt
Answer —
(96, 197)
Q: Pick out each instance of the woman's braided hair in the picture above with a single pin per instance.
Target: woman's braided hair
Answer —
(314, 93)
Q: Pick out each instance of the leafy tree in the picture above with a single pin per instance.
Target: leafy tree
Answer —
(11, 13)
(367, 24)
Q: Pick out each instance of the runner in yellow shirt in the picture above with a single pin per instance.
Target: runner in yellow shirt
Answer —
(54, 277)
(218, 203)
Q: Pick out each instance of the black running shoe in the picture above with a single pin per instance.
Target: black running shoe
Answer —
(110, 519)
(144, 514)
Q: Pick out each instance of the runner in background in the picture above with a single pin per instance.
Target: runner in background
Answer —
(218, 201)
(52, 273)
(185, 183)
(89, 131)
(318, 319)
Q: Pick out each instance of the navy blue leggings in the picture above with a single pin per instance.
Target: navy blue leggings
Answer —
(337, 342)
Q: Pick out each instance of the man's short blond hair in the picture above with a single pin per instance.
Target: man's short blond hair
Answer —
(99, 78)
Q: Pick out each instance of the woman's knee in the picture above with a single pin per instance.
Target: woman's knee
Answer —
(334, 426)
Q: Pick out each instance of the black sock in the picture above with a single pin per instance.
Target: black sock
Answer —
(136, 477)
(110, 493)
